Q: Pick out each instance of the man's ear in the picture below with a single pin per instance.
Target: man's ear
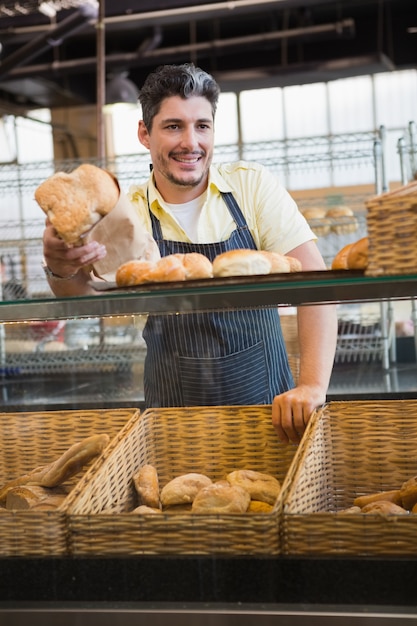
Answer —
(143, 134)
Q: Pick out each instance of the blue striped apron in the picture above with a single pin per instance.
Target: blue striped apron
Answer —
(214, 358)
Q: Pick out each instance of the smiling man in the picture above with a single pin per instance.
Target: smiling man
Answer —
(190, 204)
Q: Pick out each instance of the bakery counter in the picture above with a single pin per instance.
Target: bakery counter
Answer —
(187, 591)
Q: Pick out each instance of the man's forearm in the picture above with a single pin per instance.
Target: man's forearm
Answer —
(317, 332)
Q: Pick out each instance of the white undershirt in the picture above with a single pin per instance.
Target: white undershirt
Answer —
(188, 214)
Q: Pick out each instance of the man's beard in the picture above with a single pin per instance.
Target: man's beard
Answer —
(181, 182)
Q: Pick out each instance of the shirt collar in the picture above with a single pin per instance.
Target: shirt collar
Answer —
(216, 181)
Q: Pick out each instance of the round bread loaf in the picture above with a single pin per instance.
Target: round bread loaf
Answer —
(195, 265)
(221, 497)
(183, 489)
(340, 261)
(143, 509)
(342, 219)
(168, 269)
(259, 485)
(257, 506)
(134, 272)
(241, 262)
(357, 258)
(280, 264)
(384, 507)
(76, 201)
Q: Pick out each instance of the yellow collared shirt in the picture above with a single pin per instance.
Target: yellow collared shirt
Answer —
(272, 215)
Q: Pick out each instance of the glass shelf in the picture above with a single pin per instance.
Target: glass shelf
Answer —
(303, 288)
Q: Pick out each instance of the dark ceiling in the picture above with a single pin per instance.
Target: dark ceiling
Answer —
(52, 62)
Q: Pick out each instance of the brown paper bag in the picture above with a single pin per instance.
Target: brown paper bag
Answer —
(125, 238)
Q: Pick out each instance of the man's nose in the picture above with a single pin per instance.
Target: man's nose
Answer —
(189, 138)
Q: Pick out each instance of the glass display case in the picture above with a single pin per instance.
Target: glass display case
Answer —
(191, 589)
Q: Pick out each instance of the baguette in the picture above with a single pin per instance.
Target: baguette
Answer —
(66, 466)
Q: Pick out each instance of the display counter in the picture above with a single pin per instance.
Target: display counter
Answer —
(207, 590)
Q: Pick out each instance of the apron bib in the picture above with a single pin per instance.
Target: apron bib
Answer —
(214, 358)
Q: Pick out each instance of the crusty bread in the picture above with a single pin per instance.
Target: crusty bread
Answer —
(241, 262)
(76, 201)
(183, 489)
(67, 465)
(29, 496)
(146, 484)
(142, 509)
(221, 497)
(357, 258)
(257, 506)
(196, 265)
(168, 269)
(280, 264)
(383, 507)
(134, 272)
(340, 261)
(259, 485)
(390, 496)
(408, 493)
(173, 267)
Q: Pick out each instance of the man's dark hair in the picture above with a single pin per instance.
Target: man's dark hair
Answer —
(184, 80)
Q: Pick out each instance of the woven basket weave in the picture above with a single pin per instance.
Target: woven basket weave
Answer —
(392, 232)
(29, 440)
(351, 449)
(209, 440)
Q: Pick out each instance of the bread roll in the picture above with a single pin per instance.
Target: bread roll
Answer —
(241, 262)
(146, 484)
(221, 497)
(142, 509)
(256, 506)
(350, 510)
(408, 493)
(196, 265)
(168, 269)
(76, 201)
(133, 273)
(28, 496)
(390, 496)
(183, 489)
(173, 267)
(259, 485)
(343, 220)
(384, 507)
(340, 261)
(178, 508)
(357, 257)
(280, 264)
(295, 264)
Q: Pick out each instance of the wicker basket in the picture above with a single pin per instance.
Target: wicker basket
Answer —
(29, 440)
(209, 440)
(392, 232)
(351, 449)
